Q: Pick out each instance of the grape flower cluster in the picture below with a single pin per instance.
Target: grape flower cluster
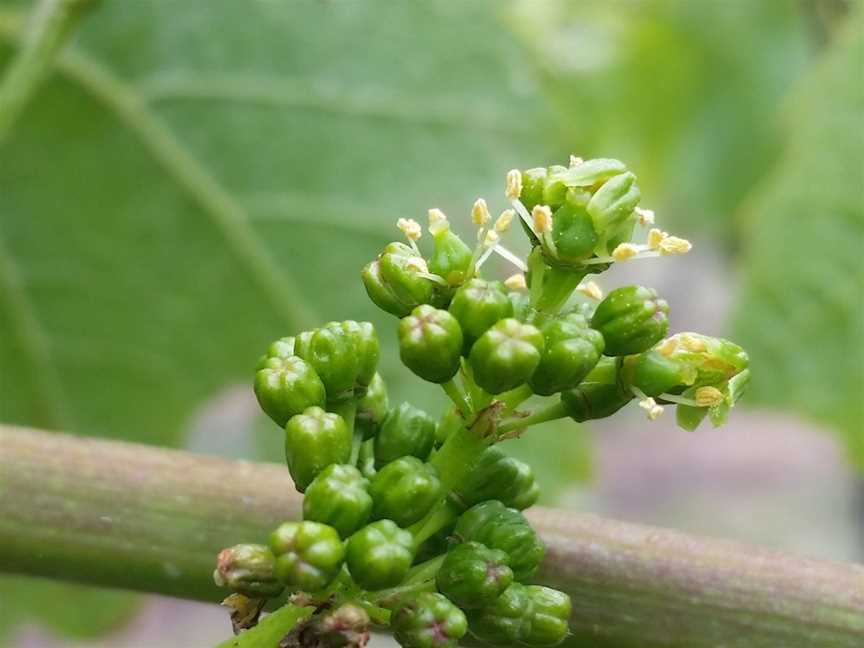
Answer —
(414, 522)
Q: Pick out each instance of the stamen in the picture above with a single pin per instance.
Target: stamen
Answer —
(412, 231)
(512, 258)
(417, 264)
(480, 213)
(542, 216)
(516, 281)
(433, 277)
(523, 213)
(590, 289)
(708, 396)
(437, 222)
(693, 343)
(655, 238)
(513, 186)
(575, 161)
(674, 245)
(625, 251)
(667, 347)
(504, 221)
(646, 216)
(652, 409)
(491, 239)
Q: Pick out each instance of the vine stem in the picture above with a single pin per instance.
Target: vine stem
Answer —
(136, 517)
(49, 26)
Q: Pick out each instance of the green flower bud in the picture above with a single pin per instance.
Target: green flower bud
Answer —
(521, 303)
(499, 476)
(612, 205)
(372, 408)
(405, 490)
(430, 343)
(506, 355)
(572, 231)
(393, 280)
(533, 185)
(379, 555)
(507, 621)
(339, 497)
(308, 554)
(281, 348)
(249, 570)
(428, 620)
(550, 616)
(599, 395)
(344, 354)
(286, 386)
(314, 440)
(407, 431)
(632, 319)
(451, 257)
(506, 529)
(554, 187)
(572, 350)
(479, 304)
(473, 575)
(589, 173)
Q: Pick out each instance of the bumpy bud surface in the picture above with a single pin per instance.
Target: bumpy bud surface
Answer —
(612, 205)
(507, 621)
(339, 497)
(379, 555)
(571, 351)
(473, 575)
(506, 355)
(451, 257)
(632, 319)
(498, 527)
(286, 386)
(406, 431)
(405, 490)
(599, 395)
(499, 476)
(249, 570)
(549, 618)
(478, 305)
(281, 348)
(314, 440)
(372, 408)
(572, 231)
(308, 554)
(428, 620)
(344, 355)
(430, 343)
(393, 283)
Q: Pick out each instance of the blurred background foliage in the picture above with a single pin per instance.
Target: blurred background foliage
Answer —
(198, 178)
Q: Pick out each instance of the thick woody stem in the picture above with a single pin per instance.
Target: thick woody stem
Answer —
(137, 517)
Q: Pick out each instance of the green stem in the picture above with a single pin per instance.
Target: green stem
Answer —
(438, 518)
(559, 284)
(455, 394)
(542, 415)
(455, 459)
(49, 26)
(420, 578)
(515, 397)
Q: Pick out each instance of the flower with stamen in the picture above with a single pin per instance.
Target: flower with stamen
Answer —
(590, 289)
(513, 186)
(708, 396)
(410, 228)
(516, 282)
(646, 216)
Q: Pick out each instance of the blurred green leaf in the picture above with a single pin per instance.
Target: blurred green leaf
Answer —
(201, 177)
(801, 314)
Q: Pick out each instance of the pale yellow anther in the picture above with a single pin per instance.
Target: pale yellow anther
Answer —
(655, 238)
(590, 289)
(418, 264)
(693, 343)
(410, 228)
(502, 224)
(667, 347)
(542, 216)
(437, 222)
(480, 212)
(513, 186)
(646, 216)
(575, 161)
(516, 282)
(708, 396)
(652, 409)
(674, 245)
(625, 251)
(491, 239)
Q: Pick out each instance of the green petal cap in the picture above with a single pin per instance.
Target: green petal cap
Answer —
(428, 620)
(473, 575)
(571, 351)
(430, 343)
(308, 554)
(314, 440)
(507, 621)
(379, 555)
(451, 257)
(248, 569)
(549, 618)
(573, 231)
(405, 490)
(407, 431)
(506, 355)
(632, 319)
(478, 305)
(286, 386)
(599, 395)
(498, 527)
(281, 348)
(394, 282)
(339, 497)
(372, 408)
(499, 476)
(612, 207)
